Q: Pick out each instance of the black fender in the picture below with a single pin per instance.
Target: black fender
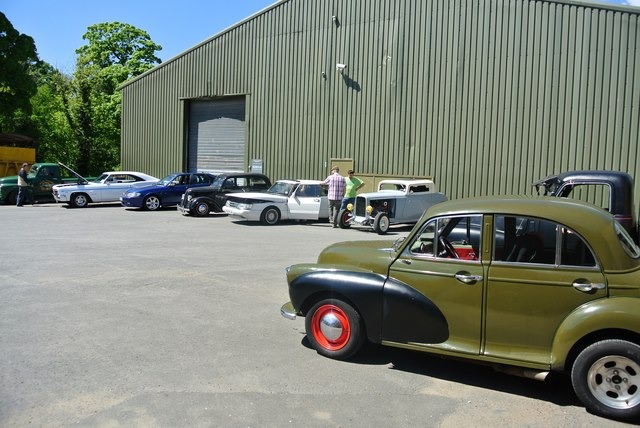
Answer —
(391, 310)
(212, 203)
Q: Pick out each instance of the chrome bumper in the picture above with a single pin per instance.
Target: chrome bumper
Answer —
(182, 210)
(288, 311)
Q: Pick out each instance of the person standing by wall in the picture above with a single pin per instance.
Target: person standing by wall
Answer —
(23, 184)
(337, 186)
(353, 184)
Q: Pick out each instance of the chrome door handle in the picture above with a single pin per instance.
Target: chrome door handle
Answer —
(587, 287)
(468, 278)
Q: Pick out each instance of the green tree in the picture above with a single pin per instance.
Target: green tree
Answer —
(114, 53)
(49, 116)
(17, 55)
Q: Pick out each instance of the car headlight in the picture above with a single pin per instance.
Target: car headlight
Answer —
(189, 197)
(244, 206)
(350, 206)
(132, 194)
(369, 209)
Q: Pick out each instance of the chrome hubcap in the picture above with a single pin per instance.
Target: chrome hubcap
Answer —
(330, 326)
(153, 203)
(615, 381)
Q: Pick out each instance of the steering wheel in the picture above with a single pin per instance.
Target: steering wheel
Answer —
(445, 249)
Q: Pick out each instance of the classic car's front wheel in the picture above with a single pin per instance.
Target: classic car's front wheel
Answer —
(151, 203)
(79, 200)
(270, 216)
(201, 209)
(344, 219)
(334, 329)
(381, 223)
(606, 378)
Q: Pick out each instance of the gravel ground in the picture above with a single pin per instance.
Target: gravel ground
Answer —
(113, 317)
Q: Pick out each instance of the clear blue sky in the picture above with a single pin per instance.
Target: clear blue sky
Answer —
(57, 26)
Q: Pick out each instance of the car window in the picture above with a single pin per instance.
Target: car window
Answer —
(259, 183)
(308, 191)
(418, 188)
(626, 241)
(229, 183)
(457, 237)
(45, 172)
(595, 193)
(535, 240)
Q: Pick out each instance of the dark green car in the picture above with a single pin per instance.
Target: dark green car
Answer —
(536, 285)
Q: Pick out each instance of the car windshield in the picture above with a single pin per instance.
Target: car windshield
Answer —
(101, 178)
(217, 183)
(33, 171)
(282, 188)
(166, 180)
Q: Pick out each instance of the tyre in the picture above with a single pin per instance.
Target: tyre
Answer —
(270, 216)
(334, 329)
(151, 203)
(202, 209)
(606, 379)
(11, 198)
(381, 223)
(344, 219)
(79, 200)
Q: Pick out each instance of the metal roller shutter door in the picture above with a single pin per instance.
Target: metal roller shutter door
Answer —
(217, 135)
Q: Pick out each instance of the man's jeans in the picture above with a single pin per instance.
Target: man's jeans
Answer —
(334, 211)
(23, 195)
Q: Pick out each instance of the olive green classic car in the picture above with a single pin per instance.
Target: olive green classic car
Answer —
(528, 285)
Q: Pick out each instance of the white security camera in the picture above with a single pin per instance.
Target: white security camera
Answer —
(341, 67)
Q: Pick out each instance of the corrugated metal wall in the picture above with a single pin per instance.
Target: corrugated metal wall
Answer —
(484, 95)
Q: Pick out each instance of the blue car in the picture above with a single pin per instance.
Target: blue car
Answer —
(166, 192)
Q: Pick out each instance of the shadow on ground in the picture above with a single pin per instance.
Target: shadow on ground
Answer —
(556, 388)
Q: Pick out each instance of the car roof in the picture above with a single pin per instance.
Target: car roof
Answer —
(239, 174)
(590, 221)
(127, 172)
(300, 181)
(405, 181)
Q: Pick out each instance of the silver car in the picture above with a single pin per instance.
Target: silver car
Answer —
(395, 202)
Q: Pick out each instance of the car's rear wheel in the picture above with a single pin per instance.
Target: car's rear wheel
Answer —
(606, 378)
(79, 200)
(381, 223)
(202, 209)
(334, 329)
(344, 219)
(151, 203)
(270, 216)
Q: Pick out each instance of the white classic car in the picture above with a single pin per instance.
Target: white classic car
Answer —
(395, 202)
(106, 188)
(285, 200)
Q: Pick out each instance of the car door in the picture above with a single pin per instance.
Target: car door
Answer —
(305, 202)
(172, 193)
(229, 185)
(541, 272)
(432, 265)
(116, 185)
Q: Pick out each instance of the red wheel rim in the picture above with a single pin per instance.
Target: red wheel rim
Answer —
(339, 325)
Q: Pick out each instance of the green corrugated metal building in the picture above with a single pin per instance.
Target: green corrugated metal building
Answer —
(484, 95)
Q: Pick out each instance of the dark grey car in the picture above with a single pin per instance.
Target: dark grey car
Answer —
(203, 200)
